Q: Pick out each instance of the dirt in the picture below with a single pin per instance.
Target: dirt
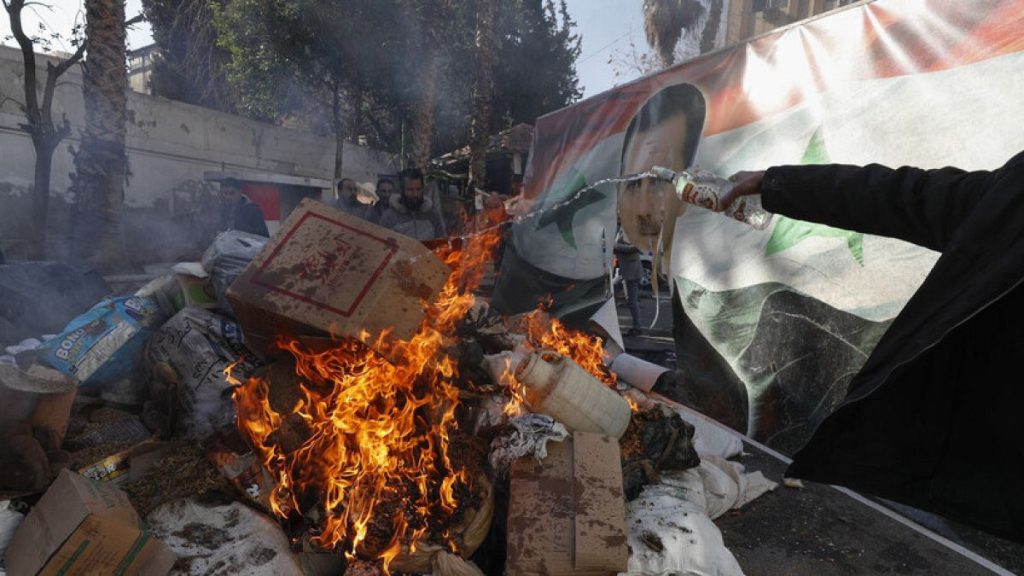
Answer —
(185, 473)
(209, 537)
(87, 456)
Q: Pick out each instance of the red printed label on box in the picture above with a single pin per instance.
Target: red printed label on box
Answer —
(339, 267)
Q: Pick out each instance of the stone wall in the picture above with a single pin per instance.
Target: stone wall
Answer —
(170, 146)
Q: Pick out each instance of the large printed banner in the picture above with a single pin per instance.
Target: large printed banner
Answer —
(784, 316)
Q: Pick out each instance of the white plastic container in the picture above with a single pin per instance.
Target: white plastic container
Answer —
(560, 388)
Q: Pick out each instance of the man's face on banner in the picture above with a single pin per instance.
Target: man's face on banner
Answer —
(644, 204)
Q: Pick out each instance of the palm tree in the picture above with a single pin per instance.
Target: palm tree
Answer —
(433, 16)
(479, 128)
(100, 162)
(664, 23)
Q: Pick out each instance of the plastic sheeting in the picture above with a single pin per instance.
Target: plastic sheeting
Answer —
(530, 435)
(41, 297)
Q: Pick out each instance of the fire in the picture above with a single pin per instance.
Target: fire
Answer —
(365, 451)
(374, 424)
(544, 332)
(515, 389)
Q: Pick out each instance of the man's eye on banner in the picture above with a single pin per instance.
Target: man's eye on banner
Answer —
(665, 131)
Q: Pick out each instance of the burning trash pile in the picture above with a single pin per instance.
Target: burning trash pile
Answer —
(352, 395)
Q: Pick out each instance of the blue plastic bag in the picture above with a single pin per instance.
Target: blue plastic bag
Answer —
(104, 344)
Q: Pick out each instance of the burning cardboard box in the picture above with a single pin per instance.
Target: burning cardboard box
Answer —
(326, 272)
(567, 514)
(81, 526)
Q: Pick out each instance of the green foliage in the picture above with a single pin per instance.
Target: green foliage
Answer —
(285, 59)
(535, 66)
(189, 65)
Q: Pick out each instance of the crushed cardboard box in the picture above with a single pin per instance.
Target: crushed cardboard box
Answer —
(81, 526)
(567, 513)
(129, 464)
(326, 272)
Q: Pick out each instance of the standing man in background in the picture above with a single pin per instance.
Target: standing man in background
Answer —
(410, 212)
(385, 189)
(630, 270)
(237, 212)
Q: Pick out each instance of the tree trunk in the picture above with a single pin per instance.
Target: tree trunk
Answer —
(483, 87)
(339, 138)
(41, 199)
(45, 135)
(423, 120)
(707, 39)
(434, 14)
(100, 163)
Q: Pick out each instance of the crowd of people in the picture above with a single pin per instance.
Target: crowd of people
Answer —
(405, 205)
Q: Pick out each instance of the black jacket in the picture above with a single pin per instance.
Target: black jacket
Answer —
(932, 419)
(243, 217)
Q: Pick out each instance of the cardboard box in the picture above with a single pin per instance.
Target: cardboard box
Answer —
(567, 514)
(194, 291)
(81, 526)
(326, 272)
(241, 467)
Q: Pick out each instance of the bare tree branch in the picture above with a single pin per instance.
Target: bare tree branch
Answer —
(14, 8)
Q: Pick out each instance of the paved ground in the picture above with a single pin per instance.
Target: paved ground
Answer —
(820, 530)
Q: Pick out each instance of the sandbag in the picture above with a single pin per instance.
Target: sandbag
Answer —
(104, 344)
(212, 539)
(193, 348)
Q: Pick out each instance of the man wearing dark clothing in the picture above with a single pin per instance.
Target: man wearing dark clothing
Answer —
(385, 188)
(630, 270)
(237, 212)
(348, 199)
(932, 419)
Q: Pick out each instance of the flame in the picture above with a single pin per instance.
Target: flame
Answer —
(515, 389)
(374, 423)
(544, 332)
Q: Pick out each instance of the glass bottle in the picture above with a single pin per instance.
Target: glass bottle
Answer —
(704, 188)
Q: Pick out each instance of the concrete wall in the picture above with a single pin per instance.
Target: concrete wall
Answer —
(170, 145)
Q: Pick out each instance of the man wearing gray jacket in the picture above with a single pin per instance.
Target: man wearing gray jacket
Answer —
(410, 212)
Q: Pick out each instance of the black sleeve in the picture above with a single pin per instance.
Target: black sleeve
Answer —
(920, 206)
(250, 219)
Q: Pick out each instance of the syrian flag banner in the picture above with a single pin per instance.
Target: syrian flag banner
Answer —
(785, 316)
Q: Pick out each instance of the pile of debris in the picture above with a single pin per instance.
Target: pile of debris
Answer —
(340, 399)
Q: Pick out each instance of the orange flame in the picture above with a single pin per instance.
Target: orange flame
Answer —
(375, 424)
(546, 333)
(515, 389)
(586, 350)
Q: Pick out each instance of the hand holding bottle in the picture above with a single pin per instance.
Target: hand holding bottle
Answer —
(707, 190)
(746, 184)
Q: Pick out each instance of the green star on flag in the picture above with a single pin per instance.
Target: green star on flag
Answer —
(562, 215)
(789, 232)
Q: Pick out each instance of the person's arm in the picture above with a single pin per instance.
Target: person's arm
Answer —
(921, 206)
